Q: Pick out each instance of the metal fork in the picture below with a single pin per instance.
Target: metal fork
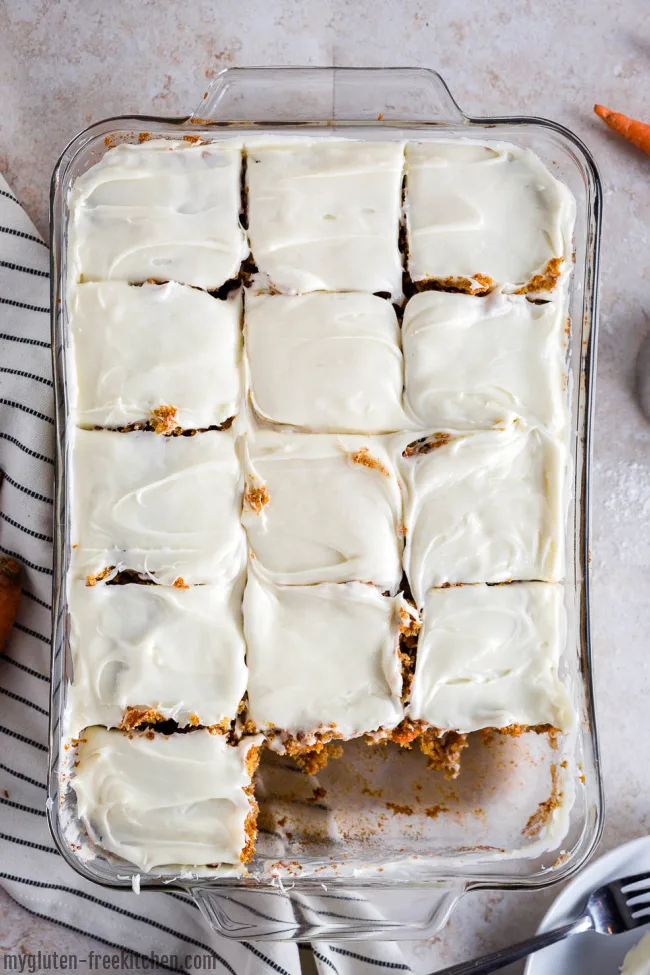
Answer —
(616, 907)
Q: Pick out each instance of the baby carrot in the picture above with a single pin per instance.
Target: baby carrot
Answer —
(635, 132)
(10, 573)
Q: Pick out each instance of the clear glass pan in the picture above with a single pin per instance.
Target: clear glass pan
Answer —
(383, 826)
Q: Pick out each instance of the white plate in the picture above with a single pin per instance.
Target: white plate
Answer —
(590, 953)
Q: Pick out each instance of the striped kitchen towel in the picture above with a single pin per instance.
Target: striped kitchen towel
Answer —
(31, 870)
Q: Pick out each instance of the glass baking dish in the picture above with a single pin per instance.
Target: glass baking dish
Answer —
(338, 854)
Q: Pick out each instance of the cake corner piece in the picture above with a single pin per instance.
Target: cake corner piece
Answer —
(126, 784)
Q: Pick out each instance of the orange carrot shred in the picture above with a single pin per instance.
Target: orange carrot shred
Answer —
(638, 133)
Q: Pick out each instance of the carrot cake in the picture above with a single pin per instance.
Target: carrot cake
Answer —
(484, 507)
(325, 362)
(162, 801)
(165, 507)
(323, 661)
(139, 348)
(162, 210)
(323, 508)
(323, 215)
(293, 443)
(471, 362)
(637, 960)
(480, 215)
(488, 658)
(155, 651)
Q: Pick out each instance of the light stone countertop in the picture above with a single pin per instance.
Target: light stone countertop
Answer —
(65, 64)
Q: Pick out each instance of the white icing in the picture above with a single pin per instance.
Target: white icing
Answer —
(484, 208)
(485, 507)
(164, 801)
(137, 348)
(322, 656)
(637, 960)
(163, 210)
(488, 658)
(165, 506)
(178, 651)
(471, 362)
(328, 519)
(326, 362)
(324, 215)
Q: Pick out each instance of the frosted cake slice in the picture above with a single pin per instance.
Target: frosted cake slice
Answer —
(165, 507)
(484, 507)
(149, 653)
(324, 215)
(472, 362)
(637, 960)
(480, 215)
(162, 801)
(325, 362)
(154, 353)
(323, 508)
(323, 661)
(488, 658)
(162, 211)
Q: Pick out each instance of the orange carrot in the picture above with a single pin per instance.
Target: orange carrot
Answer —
(638, 133)
(10, 573)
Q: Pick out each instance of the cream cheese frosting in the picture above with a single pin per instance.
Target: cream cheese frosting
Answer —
(490, 209)
(162, 210)
(323, 508)
(167, 507)
(322, 658)
(485, 507)
(137, 348)
(488, 658)
(324, 215)
(472, 362)
(325, 362)
(161, 801)
(637, 960)
(178, 651)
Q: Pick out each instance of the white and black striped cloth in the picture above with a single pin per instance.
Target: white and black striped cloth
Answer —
(31, 870)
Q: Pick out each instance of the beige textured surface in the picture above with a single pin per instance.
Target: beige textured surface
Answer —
(65, 64)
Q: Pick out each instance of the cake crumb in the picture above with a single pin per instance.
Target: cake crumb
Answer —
(399, 810)
(314, 757)
(221, 728)
(93, 580)
(135, 717)
(546, 280)
(427, 444)
(164, 419)
(517, 730)
(250, 830)
(257, 498)
(434, 811)
(364, 458)
(478, 284)
(443, 753)
(544, 812)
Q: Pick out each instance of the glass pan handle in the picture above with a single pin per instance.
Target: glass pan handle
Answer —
(297, 95)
